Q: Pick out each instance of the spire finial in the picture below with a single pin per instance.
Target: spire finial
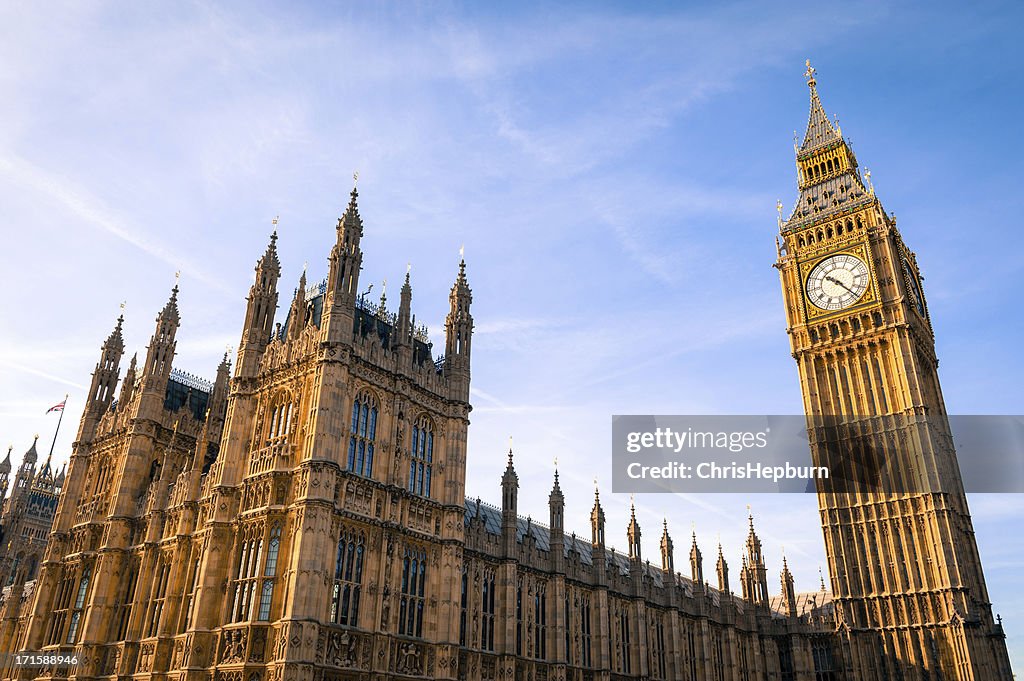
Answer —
(355, 179)
(821, 577)
(809, 74)
(778, 208)
(510, 451)
(462, 252)
(274, 222)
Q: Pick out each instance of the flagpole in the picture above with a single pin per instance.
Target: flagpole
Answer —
(52, 444)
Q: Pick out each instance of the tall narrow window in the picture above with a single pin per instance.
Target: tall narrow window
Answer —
(249, 558)
(190, 601)
(363, 433)
(519, 617)
(413, 603)
(125, 608)
(269, 573)
(76, 614)
(585, 630)
(60, 606)
(565, 625)
(657, 627)
(156, 608)
(624, 641)
(540, 629)
(422, 459)
(463, 605)
(487, 623)
(348, 579)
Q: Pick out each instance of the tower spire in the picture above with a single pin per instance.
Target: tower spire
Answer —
(633, 533)
(597, 519)
(346, 260)
(696, 563)
(509, 503)
(722, 568)
(161, 350)
(820, 131)
(104, 381)
(260, 309)
(459, 334)
(667, 557)
(297, 314)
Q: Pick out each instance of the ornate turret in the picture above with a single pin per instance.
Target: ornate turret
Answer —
(104, 381)
(297, 313)
(668, 563)
(556, 519)
(161, 349)
(219, 394)
(633, 534)
(788, 592)
(597, 520)
(403, 324)
(346, 260)
(128, 384)
(5, 473)
(722, 568)
(26, 472)
(458, 335)
(509, 504)
(259, 311)
(755, 575)
(696, 564)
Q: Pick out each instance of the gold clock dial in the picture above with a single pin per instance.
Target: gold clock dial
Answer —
(837, 282)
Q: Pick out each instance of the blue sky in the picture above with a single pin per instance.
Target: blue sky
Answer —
(612, 172)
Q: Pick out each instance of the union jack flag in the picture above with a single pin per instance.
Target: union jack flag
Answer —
(58, 407)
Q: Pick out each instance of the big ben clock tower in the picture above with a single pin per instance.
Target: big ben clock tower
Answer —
(909, 592)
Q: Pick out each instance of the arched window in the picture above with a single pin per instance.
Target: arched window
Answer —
(422, 459)
(348, 580)
(76, 614)
(487, 598)
(250, 554)
(363, 432)
(280, 418)
(413, 602)
(269, 572)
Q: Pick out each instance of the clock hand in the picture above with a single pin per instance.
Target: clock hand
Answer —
(838, 283)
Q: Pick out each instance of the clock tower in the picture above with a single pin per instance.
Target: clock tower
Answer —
(907, 580)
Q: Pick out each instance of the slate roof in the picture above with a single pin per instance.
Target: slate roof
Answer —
(490, 516)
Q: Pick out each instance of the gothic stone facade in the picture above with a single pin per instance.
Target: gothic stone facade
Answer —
(27, 516)
(307, 520)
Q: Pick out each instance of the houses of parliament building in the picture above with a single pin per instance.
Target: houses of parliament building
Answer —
(304, 517)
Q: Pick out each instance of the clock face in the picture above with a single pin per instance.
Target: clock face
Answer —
(837, 282)
(914, 289)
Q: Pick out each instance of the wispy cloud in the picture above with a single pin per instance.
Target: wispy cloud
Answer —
(42, 374)
(91, 210)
